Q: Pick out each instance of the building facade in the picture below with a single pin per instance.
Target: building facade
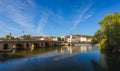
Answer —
(78, 38)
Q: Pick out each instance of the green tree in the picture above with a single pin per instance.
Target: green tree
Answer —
(26, 37)
(9, 37)
(58, 38)
(109, 33)
(97, 37)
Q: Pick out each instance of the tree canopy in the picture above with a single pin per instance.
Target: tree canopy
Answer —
(109, 33)
(26, 37)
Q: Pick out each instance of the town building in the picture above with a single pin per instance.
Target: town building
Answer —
(79, 38)
(45, 38)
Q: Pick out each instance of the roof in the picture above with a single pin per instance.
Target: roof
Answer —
(47, 38)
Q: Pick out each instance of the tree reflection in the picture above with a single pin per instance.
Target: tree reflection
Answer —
(110, 61)
(96, 66)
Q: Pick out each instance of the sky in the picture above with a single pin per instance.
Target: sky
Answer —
(53, 17)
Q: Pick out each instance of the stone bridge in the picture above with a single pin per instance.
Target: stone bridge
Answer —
(26, 44)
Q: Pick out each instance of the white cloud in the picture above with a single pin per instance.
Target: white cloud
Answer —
(6, 30)
(16, 10)
(42, 22)
(31, 2)
(48, 14)
(88, 16)
(81, 14)
(24, 12)
(18, 16)
(56, 17)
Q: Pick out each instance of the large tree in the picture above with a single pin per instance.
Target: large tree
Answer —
(109, 33)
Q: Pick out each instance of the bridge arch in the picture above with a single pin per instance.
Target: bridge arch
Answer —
(6, 46)
(47, 44)
(36, 45)
(19, 46)
(27, 44)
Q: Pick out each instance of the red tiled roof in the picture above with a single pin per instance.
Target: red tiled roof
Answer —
(37, 38)
(47, 38)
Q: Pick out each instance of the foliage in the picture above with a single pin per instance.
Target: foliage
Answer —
(26, 37)
(9, 37)
(97, 37)
(109, 33)
(60, 39)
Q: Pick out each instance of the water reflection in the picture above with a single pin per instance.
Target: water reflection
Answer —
(70, 51)
(76, 49)
(73, 58)
(66, 50)
(5, 56)
(110, 61)
(57, 52)
(47, 59)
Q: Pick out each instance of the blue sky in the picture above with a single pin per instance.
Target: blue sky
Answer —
(53, 17)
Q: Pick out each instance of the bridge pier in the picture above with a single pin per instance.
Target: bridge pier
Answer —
(27, 45)
(42, 44)
(1, 47)
(39, 44)
(51, 44)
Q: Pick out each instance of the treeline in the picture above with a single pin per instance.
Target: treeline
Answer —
(108, 36)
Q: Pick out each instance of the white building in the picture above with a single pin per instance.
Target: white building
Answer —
(75, 38)
(83, 39)
(68, 40)
(54, 38)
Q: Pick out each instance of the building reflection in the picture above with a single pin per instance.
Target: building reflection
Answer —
(76, 49)
(69, 51)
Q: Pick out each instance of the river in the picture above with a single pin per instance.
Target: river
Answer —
(66, 58)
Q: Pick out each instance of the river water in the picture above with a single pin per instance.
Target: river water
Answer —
(67, 58)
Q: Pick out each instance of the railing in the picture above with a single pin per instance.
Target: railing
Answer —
(5, 41)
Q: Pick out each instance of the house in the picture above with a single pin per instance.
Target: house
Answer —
(83, 39)
(89, 39)
(54, 39)
(73, 38)
(45, 38)
(79, 38)
(37, 38)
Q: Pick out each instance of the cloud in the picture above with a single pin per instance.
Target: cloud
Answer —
(18, 15)
(56, 17)
(6, 30)
(46, 16)
(17, 11)
(30, 17)
(24, 12)
(31, 3)
(42, 22)
(81, 14)
(87, 16)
